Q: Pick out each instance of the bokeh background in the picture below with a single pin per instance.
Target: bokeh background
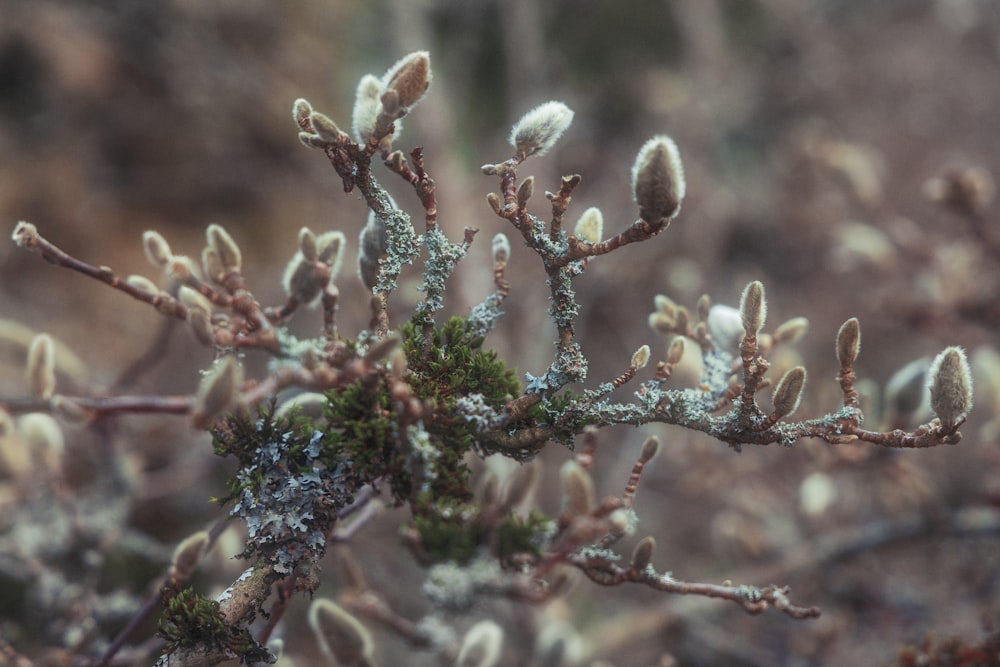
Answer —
(814, 134)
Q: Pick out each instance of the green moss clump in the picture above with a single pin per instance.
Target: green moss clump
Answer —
(516, 535)
(191, 620)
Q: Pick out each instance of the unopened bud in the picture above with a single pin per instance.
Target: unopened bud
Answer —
(501, 249)
(753, 308)
(307, 244)
(309, 403)
(326, 129)
(481, 645)
(621, 521)
(157, 249)
(725, 326)
(662, 323)
(41, 434)
(703, 306)
(791, 331)
(301, 110)
(676, 351)
(665, 305)
(578, 489)
(788, 393)
(211, 264)
(193, 300)
(25, 235)
(848, 342)
(520, 482)
(366, 108)
(642, 555)
(590, 226)
(223, 244)
(409, 78)
(339, 634)
(181, 268)
(525, 190)
(640, 358)
(658, 180)
(218, 391)
(539, 129)
(41, 367)
(142, 283)
(200, 324)
(494, 201)
(330, 250)
(951, 386)
(188, 554)
(649, 449)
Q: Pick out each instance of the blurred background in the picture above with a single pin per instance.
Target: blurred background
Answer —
(840, 151)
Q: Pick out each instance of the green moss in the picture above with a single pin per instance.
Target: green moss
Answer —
(448, 538)
(192, 621)
(516, 535)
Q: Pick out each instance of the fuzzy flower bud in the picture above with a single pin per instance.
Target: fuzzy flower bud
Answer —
(518, 485)
(501, 249)
(408, 79)
(640, 358)
(301, 110)
(193, 300)
(481, 645)
(539, 129)
(791, 331)
(218, 391)
(642, 555)
(366, 107)
(848, 342)
(224, 245)
(339, 634)
(676, 351)
(951, 386)
(157, 249)
(658, 180)
(788, 393)
(330, 250)
(525, 190)
(578, 489)
(188, 553)
(326, 129)
(41, 370)
(142, 283)
(753, 308)
(590, 226)
(649, 449)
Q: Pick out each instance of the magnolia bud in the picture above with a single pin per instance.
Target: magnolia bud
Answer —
(142, 283)
(501, 249)
(578, 489)
(188, 553)
(791, 331)
(649, 449)
(301, 110)
(193, 300)
(409, 79)
(539, 129)
(951, 386)
(525, 190)
(658, 180)
(326, 129)
(223, 244)
(481, 645)
(157, 249)
(753, 308)
(366, 107)
(848, 342)
(41, 367)
(339, 634)
(218, 391)
(788, 393)
(642, 555)
(330, 250)
(590, 226)
(640, 358)
(676, 351)
(307, 244)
